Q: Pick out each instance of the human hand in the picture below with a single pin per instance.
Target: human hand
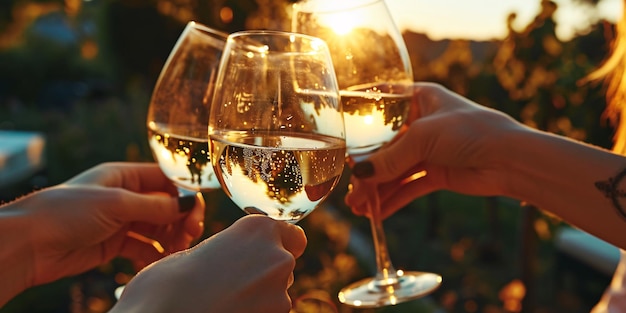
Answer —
(98, 215)
(452, 140)
(247, 267)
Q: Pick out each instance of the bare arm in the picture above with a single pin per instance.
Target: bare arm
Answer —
(573, 180)
(15, 256)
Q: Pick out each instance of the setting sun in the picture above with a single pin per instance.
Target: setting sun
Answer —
(341, 23)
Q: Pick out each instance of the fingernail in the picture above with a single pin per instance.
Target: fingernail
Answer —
(363, 169)
(186, 203)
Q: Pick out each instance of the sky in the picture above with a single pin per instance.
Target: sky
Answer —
(486, 19)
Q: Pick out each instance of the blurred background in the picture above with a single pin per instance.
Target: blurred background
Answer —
(79, 73)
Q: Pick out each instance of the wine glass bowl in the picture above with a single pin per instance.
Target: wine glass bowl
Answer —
(276, 129)
(375, 78)
(371, 62)
(373, 115)
(178, 114)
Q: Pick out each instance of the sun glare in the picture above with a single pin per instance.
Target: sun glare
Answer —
(341, 24)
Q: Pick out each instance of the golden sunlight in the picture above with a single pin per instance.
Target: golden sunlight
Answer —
(512, 295)
(157, 245)
(341, 23)
(226, 15)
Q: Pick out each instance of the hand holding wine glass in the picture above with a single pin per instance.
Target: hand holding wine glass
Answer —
(375, 77)
(179, 109)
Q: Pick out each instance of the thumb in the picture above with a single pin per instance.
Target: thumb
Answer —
(293, 237)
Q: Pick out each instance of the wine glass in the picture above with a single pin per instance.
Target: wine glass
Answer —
(276, 129)
(178, 118)
(375, 78)
(178, 115)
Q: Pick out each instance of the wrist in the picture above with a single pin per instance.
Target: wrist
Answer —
(555, 172)
(541, 167)
(516, 149)
(16, 253)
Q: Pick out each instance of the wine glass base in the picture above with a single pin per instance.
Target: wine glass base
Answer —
(366, 293)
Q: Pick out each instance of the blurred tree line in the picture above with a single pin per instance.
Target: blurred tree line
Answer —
(533, 75)
(60, 57)
(82, 71)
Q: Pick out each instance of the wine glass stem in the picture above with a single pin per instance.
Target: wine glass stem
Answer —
(385, 272)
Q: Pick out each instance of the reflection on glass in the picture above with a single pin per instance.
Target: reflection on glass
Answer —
(178, 114)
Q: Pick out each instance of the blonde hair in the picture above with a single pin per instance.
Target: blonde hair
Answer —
(613, 71)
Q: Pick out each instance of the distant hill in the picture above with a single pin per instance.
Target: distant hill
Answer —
(428, 49)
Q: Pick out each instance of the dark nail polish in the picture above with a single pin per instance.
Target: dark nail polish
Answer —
(363, 169)
(186, 203)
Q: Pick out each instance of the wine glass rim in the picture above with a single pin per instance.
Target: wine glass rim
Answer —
(272, 32)
(261, 32)
(331, 5)
(208, 30)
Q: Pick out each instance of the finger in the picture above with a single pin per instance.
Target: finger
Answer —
(180, 239)
(358, 192)
(393, 160)
(467, 181)
(424, 101)
(170, 237)
(152, 208)
(356, 196)
(399, 197)
(427, 99)
(290, 280)
(138, 177)
(194, 222)
(293, 238)
(142, 251)
(144, 177)
(394, 195)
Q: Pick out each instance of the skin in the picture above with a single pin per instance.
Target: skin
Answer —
(248, 267)
(85, 222)
(131, 210)
(470, 149)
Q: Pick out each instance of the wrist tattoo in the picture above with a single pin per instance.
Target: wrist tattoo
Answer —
(611, 191)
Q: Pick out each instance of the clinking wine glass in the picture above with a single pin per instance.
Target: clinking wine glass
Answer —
(276, 128)
(177, 120)
(178, 115)
(375, 77)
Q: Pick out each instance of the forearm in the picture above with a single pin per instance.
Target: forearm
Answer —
(566, 177)
(14, 253)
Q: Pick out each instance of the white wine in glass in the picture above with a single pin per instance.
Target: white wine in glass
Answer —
(276, 128)
(178, 115)
(375, 78)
